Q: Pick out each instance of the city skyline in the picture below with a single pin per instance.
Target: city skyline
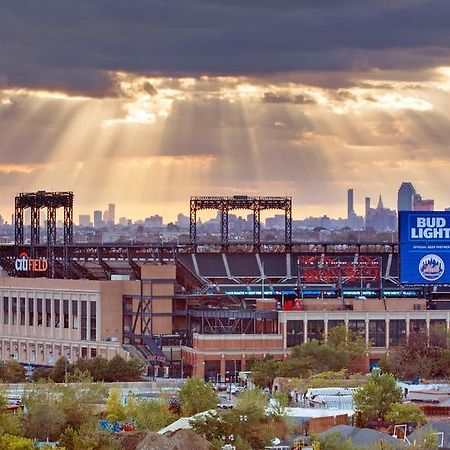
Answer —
(331, 102)
(358, 208)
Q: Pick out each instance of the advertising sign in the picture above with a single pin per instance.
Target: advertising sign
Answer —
(424, 247)
(26, 264)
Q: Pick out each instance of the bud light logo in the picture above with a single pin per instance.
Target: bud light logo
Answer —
(431, 267)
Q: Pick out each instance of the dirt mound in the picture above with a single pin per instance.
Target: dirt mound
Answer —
(178, 440)
(129, 441)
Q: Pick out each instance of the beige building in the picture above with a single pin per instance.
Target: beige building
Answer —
(42, 319)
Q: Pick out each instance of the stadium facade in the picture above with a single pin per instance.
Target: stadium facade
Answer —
(205, 309)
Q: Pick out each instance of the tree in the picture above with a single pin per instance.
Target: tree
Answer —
(246, 426)
(423, 356)
(264, 372)
(12, 372)
(151, 415)
(373, 400)
(9, 423)
(281, 401)
(320, 356)
(42, 373)
(121, 370)
(88, 438)
(60, 370)
(99, 368)
(10, 442)
(196, 396)
(45, 417)
(79, 402)
(114, 406)
(332, 441)
(400, 413)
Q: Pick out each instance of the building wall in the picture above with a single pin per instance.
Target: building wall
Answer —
(162, 290)
(387, 327)
(43, 319)
(230, 352)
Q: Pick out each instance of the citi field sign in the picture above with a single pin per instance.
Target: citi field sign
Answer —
(424, 247)
(26, 264)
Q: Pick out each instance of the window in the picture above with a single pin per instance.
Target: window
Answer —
(316, 329)
(22, 311)
(295, 332)
(75, 319)
(357, 327)
(14, 310)
(57, 313)
(48, 312)
(397, 332)
(30, 312)
(418, 326)
(335, 323)
(377, 333)
(438, 324)
(66, 313)
(93, 323)
(39, 312)
(5, 310)
(83, 320)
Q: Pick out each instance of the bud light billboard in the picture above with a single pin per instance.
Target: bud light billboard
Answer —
(424, 247)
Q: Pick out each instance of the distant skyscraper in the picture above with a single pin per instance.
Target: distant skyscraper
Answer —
(421, 204)
(405, 200)
(112, 213)
(182, 221)
(381, 218)
(350, 210)
(98, 222)
(367, 209)
(84, 220)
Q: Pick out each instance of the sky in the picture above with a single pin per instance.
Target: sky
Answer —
(146, 103)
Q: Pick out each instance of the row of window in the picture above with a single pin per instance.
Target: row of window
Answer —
(15, 313)
(377, 330)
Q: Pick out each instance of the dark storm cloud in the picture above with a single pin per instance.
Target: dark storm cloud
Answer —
(299, 99)
(72, 45)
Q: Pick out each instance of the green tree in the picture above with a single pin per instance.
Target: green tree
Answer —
(10, 423)
(281, 401)
(332, 441)
(12, 372)
(10, 442)
(98, 368)
(405, 413)
(79, 402)
(246, 426)
(373, 400)
(45, 417)
(151, 415)
(264, 372)
(42, 373)
(115, 409)
(121, 370)
(421, 357)
(88, 438)
(321, 356)
(60, 370)
(196, 396)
